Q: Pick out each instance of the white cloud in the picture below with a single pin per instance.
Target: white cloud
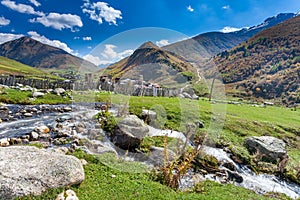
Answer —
(35, 2)
(5, 37)
(101, 10)
(89, 47)
(22, 8)
(108, 56)
(161, 43)
(55, 43)
(93, 59)
(87, 38)
(59, 21)
(4, 21)
(189, 8)
(228, 29)
(76, 38)
(226, 7)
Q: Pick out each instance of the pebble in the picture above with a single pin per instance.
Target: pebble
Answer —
(67, 109)
(28, 115)
(34, 136)
(4, 142)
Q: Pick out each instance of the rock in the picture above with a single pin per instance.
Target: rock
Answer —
(229, 165)
(129, 132)
(71, 195)
(59, 91)
(270, 147)
(37, 170)
(181, 96)
(27, 114)
(37, 94)
(42, 129)
(34, 136)
(195, 97)
(157, 156)
(200, 124)
(4, 142)
(67, 109)
(149, 116)
(186, 95)
(60, 196)
(83, 162)
(234, 176)
(64, 118)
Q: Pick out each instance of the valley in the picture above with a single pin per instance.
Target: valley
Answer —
(215, 116)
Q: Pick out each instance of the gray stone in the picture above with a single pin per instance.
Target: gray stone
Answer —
(129, 132)
(187, 95)
(28, 170)
(59, 91)
(156, 156)
(37, 94)
(270, 147)
(27, 114)
(195, 97)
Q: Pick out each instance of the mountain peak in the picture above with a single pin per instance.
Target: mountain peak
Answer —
(148, 45)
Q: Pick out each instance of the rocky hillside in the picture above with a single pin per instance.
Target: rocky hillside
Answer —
(209, 44)
(36, 54)
(267, 65)
(155, 64)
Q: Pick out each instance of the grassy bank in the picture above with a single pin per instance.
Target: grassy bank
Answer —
(111, 182)
(227, 125)
(12, 96)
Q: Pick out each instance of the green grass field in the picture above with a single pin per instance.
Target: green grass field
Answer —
(225, 124)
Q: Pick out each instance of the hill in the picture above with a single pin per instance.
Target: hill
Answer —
(12, 67)
(155, 64)
(209, 44)
(267, 65)
(36, 54)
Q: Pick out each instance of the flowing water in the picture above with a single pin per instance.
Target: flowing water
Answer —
(260, 183)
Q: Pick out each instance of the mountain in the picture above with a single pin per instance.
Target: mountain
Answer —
(155, 64)
(267, 65)
(209, 44)
(12, 67)
(36, 54)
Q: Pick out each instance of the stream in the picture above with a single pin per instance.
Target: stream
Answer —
(78, 123)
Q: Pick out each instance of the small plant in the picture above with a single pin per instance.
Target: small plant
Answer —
(107, 121)
(172, 171)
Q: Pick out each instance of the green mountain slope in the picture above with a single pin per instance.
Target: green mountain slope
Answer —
(267, 65)
(12, 67)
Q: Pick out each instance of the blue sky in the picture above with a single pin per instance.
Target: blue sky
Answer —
(81, 26)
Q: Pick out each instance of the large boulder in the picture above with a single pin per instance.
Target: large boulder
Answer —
(269, 147)
(28, 170)
(129, 132)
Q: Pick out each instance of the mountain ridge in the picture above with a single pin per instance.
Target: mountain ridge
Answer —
(154, 64)
(209, 44)
(36, 54)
